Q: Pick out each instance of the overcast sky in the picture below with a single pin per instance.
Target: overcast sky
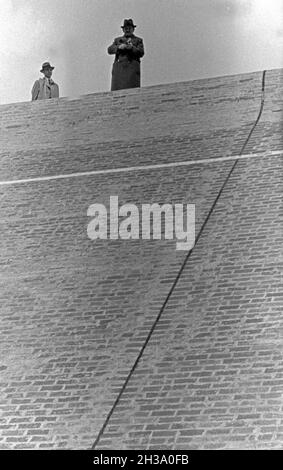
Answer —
(184, 40)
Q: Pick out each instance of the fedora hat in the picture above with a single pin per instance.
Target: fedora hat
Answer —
(128, 23)
(46, 65)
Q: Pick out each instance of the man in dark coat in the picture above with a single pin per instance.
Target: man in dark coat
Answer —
(128, 50)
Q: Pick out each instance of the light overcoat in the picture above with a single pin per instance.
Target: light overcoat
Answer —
(44, 89)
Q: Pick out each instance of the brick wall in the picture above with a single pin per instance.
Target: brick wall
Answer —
(76, 313)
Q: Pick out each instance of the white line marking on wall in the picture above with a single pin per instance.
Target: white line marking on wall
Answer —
(142, 168)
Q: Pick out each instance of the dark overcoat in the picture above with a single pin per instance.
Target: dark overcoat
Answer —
(126, 71)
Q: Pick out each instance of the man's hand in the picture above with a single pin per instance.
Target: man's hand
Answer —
(122, 46)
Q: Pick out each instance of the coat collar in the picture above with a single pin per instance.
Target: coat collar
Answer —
(48, 79)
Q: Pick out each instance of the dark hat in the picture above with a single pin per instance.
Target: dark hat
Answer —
(128, 23)
(46, 65)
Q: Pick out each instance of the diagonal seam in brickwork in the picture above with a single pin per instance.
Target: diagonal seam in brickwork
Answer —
(76, 313)
(108, 418)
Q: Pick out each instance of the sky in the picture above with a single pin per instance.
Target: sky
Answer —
(184, 40)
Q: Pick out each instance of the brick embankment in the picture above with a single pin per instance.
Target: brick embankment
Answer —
(175, 122)
(75, 313)
(211, 375)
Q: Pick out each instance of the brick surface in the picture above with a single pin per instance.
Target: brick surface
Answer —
(213, 370)
(75, 313)
(191, 120)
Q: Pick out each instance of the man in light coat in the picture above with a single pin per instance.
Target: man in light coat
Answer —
(128, 50)
(45, 88)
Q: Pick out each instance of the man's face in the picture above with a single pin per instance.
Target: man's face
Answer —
(47, 72)
(128, 30)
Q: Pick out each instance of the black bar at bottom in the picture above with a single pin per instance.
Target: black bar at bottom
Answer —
(84, 459)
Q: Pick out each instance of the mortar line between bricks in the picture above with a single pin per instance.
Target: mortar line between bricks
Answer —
(134, 366)
(129, 169)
